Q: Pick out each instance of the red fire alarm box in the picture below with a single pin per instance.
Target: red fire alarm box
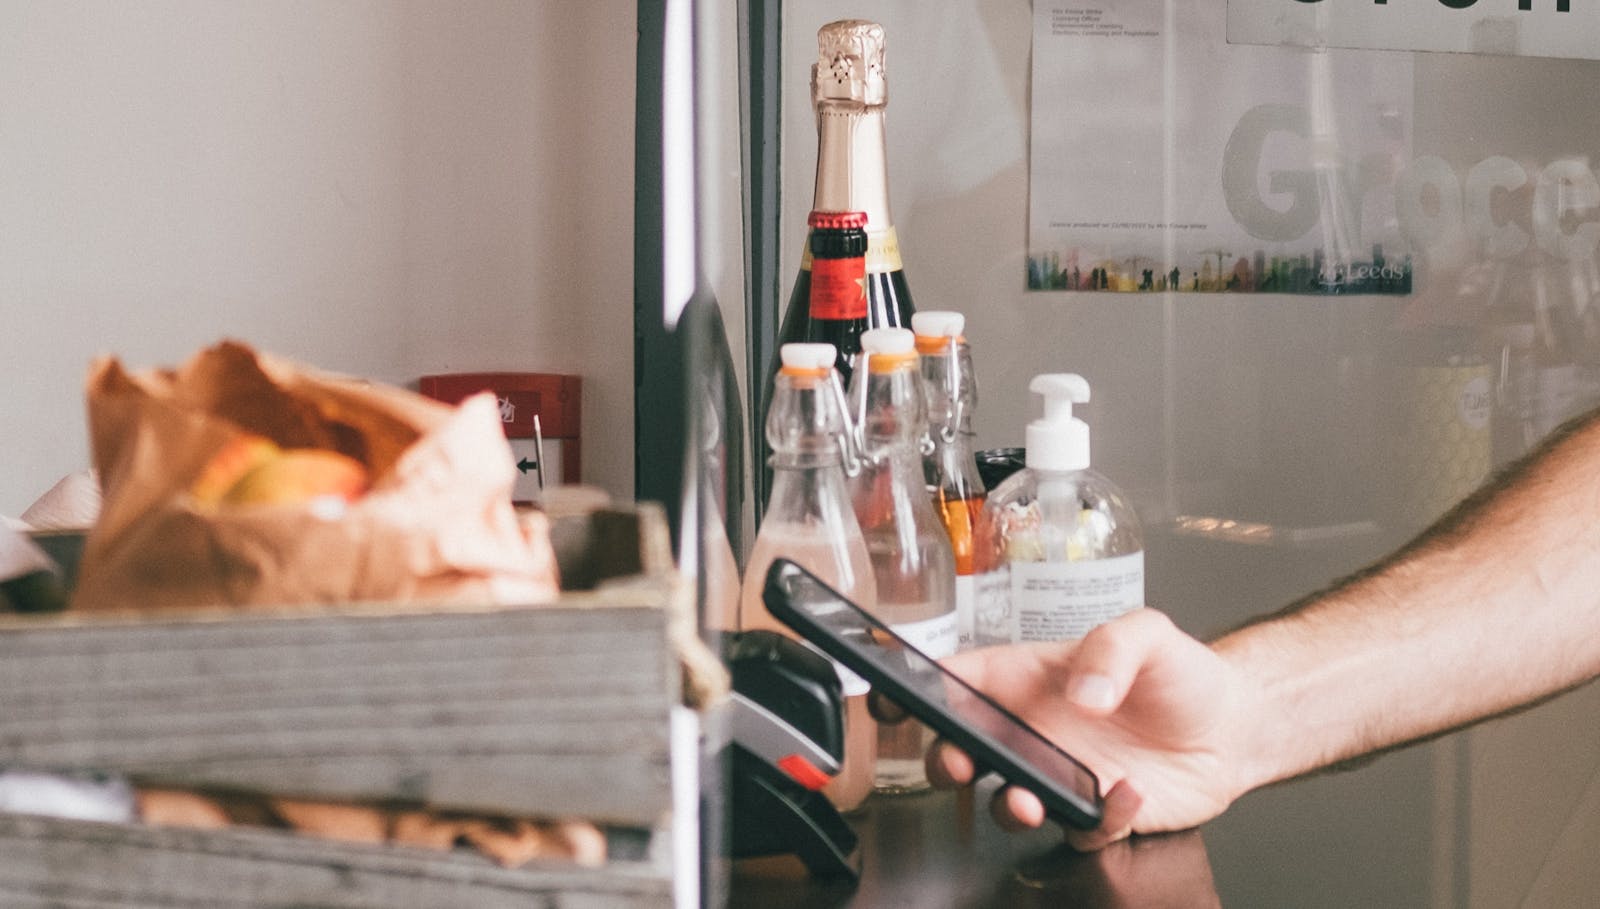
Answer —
(541, 414)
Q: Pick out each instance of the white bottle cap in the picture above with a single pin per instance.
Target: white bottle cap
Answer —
(808, 356)
(888, 341)
(1058, 441)
(938, 323)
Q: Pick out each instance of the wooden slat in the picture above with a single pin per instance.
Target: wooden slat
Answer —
(79, 865)
(544, 711)
(595, 546)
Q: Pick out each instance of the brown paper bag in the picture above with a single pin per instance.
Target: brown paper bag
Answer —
(437, 524)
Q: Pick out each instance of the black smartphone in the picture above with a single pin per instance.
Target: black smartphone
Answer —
(992, 735)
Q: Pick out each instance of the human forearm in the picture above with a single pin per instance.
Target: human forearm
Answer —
(1496, 606)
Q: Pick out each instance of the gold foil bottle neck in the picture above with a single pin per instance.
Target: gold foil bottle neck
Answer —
(849, 65)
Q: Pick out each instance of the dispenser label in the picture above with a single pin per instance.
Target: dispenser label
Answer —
(991, 615)
(1055, 601)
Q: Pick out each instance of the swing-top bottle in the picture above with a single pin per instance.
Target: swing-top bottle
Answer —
(911, 556)
(951, 469)
(810, 521)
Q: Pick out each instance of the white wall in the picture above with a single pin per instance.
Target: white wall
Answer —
(388, 188)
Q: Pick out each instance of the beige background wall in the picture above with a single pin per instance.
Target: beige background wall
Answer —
(379, 187)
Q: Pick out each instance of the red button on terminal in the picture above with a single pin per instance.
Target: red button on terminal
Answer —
(803, 772)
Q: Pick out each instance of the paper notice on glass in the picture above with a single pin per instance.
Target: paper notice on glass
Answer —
(1163, 158)
(1527, 28)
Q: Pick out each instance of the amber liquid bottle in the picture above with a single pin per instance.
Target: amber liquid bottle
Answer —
(951, 470)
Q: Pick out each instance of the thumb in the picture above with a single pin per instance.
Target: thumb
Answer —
(1104, 665)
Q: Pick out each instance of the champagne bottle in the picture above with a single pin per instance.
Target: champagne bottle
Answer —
(849, 95)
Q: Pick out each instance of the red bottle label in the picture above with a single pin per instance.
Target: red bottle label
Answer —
(839, 288)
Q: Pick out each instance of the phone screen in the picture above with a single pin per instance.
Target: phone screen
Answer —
(993, 736)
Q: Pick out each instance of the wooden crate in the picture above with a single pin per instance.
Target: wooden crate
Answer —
(563, 711)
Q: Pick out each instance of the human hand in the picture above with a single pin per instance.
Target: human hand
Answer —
(1153, 712)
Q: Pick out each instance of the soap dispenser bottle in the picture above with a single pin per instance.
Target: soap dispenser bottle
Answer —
(1065, 552)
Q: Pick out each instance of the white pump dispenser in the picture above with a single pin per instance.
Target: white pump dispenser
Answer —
(1065, 552)
(1058, 440)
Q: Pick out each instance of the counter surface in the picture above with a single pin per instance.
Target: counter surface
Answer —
(1504, 814)
(936, 849)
